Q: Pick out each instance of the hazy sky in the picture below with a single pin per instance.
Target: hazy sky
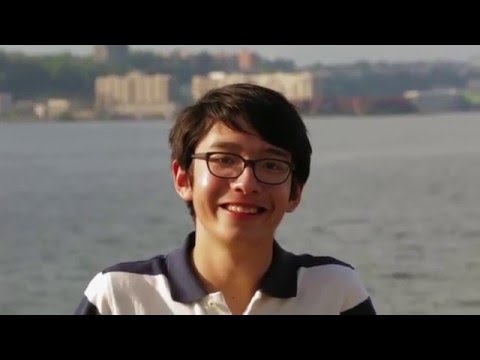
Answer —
(301, 54)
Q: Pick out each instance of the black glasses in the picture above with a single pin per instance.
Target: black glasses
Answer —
(231, 166)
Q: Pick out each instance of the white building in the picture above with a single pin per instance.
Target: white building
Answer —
(298, 87)
(135, 94)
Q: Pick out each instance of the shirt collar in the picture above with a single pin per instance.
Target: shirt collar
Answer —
(280, 280)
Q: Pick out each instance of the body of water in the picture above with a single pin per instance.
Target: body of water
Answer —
(397, 197)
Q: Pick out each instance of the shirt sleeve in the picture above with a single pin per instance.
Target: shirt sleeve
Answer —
(358, 301)
(95, 300)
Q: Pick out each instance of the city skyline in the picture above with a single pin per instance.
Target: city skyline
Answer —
(301, 54)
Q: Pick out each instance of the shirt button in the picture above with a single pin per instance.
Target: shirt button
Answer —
(211, 303)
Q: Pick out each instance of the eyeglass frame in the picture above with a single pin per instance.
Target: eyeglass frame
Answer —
(246, 163)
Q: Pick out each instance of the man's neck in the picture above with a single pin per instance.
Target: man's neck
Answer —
(232, 268)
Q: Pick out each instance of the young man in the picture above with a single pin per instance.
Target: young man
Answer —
(240, 160)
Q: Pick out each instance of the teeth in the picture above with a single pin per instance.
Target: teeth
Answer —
(243, 209)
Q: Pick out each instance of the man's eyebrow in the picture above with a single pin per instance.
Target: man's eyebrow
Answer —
(278, 152)
(236, 147)
(226, 145)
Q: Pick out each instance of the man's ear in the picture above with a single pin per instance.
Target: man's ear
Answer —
(181, 181)
(295, 198)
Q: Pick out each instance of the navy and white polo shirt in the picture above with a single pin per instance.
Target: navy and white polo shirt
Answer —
(168, 285)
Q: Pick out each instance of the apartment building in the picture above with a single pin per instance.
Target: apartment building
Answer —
(110, 53)
(247, 60)
(136, 94)
(301, 88)
(436, 100)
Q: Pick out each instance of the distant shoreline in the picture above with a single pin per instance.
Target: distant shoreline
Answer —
(305, 116)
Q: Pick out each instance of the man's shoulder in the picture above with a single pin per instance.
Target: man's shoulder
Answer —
(124, 275)
(310, 261)
(116, 286)
(334, 279)
(152, 266)
(327, 269)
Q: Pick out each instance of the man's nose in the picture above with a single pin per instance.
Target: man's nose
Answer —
(246, 182)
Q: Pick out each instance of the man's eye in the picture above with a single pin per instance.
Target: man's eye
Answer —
(271, 165)
(224, 159)
(275, 166)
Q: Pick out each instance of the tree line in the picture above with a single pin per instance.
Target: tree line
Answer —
(66, 75)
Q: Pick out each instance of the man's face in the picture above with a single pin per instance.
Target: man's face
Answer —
(240, 209)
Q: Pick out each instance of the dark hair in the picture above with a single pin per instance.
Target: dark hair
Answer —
(268, 112)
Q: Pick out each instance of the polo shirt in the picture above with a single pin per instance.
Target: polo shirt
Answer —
(168, 285)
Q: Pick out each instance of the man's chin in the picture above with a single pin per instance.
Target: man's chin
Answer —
(243, 234)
